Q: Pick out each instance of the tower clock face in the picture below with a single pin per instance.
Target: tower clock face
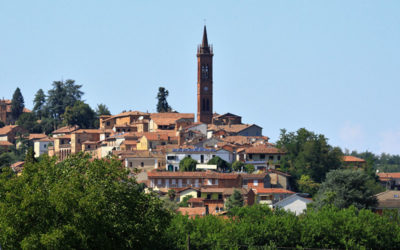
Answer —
(205, 88)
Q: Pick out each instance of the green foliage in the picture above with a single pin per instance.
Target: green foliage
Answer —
(17, 104)
(237, 165)
(221, 163)
(234, 201)
(257, 227)
(345, 187)
(249, 168)
(308, 154)
(80, 114)
(184, 202)
(307, 185)
(171, 194)
(29, 122)
(63, 94)
(168, 204)
(162, 104)
(102, 109)
(30, 156)
(78, 203)
(39, 104)
(187, 164)
(2, 124)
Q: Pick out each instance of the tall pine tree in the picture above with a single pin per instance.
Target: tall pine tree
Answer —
(162, 104)
(39, 103)
(17, 104)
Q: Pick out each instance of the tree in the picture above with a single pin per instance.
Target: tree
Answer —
(80, 114)
(29, 122)
(346, 187)
(171, 194)
(238, 166)
(62, 95)
(234, 201)
(162, 104)
(249, 168)
(307, 185)
(309, 154)
(187, 164)
(184, 202)
(30, 156)
(102, 110)
(78, 203)
(17, 104)
(39, 104)
(221, 163)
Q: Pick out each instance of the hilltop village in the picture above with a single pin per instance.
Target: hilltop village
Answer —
(200, 159)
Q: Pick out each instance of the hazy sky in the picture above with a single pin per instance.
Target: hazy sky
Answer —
(332, 67)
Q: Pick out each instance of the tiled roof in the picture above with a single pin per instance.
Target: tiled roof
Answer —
(129, 142)
(5, 143)
(128, 113)
(46, 139)
(254, 176)
(66, 129)
(234, 128)
(349, 158)
(264, 149)
(225, 191)
(192, 211)
(88, 131)
(170, 118)
(195, 200)
(278, 172)
(261, 190)
(63, 137)
(161, 136)
(240, 139)
(215, 175)
(36, 136)
(388, 176)
(193, 150)
(7, 129)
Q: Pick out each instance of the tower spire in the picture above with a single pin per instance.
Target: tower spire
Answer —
(204, 43)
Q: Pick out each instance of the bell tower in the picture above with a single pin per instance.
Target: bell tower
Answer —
(204, 81)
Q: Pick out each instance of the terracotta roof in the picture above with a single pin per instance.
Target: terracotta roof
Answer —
(196, 200)
(225, 191)
(278, 172)
(88, 131)
(66, 130)
(254, 176)
(215, 175)
(18, 166)
(7, 129)
(5, 143)
(129, 142)
(63, 137)
(349, 158)
(170, 118)
(234, 128)
(240, 139)
(261, 190)
(388, 176)
(161, 136)
(36, 136)
(264, 149)
(46, 139)
(192, 211)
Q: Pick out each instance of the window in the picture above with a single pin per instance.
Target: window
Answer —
(108, 123)
(209, 181)
(188, 182)
(88, 146)
(173, 182)
(130, 164)
(171, 157)
(196, 182)
(208, 105)
(167, 182)
(255, 182)
(79, 140)
(262, 156)
(216, 181)
(208, 196)
(142, 164)
(271, 157)
(396, 196)
(201, 158)
(179, 182)
(279, 157)
(264, 198)
(204, 104)
(219, 196)
(250, 156)
(45, 146)
(159, 182)
(189, 156)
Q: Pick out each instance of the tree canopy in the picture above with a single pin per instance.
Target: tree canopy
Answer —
(308, 154)
(187, 164)
(17, 104)
(221, 163)
(78, 203)
(102, 109)
(346, 187)
(234, 201)
(39, 103)
(162, 104)
(80, 114)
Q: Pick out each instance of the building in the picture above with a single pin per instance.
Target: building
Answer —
(42, 145)
(166, 180)
(389, 199)
(226, 119)
(201, 155)
(11, 132)
(233, 129)
(150, 140)
(170, 121)
(270, 196)
(263, 156)
(205, 81)
(390, 180)
(353, 162)
(127, 121)
(293, 203)
(5, 112)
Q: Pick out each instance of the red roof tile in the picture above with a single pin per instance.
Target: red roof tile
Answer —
(264, 149)
(261, 190)
(166, 174)
(192, 211)
(36, 136)
(349, 158)
(7, 129)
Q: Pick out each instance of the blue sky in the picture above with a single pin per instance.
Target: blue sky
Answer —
(332, 67)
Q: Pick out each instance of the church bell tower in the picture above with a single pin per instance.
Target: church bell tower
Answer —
(204, 81)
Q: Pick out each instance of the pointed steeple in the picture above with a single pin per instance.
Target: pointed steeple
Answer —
(204, 43)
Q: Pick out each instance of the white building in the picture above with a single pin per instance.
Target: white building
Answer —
(42, 146)
(294, 203)
(201, 155)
